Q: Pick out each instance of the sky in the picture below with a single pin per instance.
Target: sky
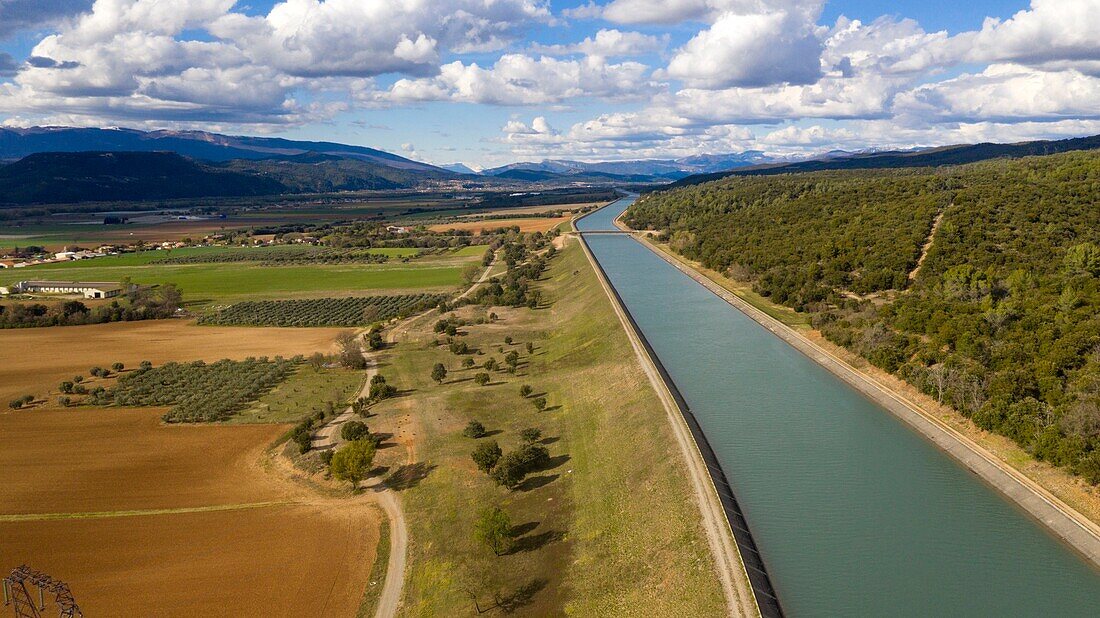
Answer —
(489, 82)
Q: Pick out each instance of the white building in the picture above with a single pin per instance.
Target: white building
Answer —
(88, 289)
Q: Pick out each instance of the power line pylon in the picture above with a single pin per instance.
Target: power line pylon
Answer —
(17, 595)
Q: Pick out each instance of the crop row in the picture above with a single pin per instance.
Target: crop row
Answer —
(198, 392)
(351, 311)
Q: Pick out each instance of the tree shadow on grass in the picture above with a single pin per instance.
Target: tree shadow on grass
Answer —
(534, 482)
(554, 462)
(551, 408)
(549, 440)
(409, 475)
(381, 443)
(520, 597)
(535, 542)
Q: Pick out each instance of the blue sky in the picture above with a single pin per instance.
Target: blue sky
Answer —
(492, 81)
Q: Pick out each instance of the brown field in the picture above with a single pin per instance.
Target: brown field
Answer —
(531, 210)
(526, 224)
(274, 561)
(34, 360)
(80, 460)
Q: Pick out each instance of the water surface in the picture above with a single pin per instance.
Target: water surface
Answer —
(854, 513)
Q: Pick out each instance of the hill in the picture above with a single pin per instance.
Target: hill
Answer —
(18, 143)
(116, 176)
(934, 157)
(979, 284)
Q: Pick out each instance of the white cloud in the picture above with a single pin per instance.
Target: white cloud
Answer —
(753, 49)
(1005, 92)
(518, 79)
(608, 44)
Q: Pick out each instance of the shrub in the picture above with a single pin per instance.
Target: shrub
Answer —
(439, 373)
(525, 391)
(530, 435)
(494, 529)
(486, 455)
(474, 429)
(353, 462)
(508, 340)
(540, 403)
(118, 367)
(66, 387)
(468, 363)
(354, 430)
(481, 379)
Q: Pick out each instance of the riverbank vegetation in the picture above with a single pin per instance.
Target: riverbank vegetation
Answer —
(978, 284)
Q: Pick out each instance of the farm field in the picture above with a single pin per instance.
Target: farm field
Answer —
(526, 224)
(34, 360)
(609, 526)
(221, 282)
(81, 460)
(274, 561)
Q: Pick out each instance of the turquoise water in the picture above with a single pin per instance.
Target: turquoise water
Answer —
(853, 512)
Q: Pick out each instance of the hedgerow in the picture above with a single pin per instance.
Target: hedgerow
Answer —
(280, 255)
(351, 311)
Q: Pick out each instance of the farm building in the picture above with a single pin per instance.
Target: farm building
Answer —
(88, 289)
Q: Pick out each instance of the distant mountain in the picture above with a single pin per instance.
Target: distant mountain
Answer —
(18, 143)
(652, 169)
(115, 176)
(932, 157)
(458, 168)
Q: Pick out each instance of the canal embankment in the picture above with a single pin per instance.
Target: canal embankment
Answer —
(741, 568)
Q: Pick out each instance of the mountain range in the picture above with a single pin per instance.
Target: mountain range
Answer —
(55, 165)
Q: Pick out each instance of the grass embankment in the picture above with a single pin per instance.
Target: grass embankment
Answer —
(609, 528)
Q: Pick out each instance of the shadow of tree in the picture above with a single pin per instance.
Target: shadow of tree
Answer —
(520, 597)
(534, 482)
(409, 475)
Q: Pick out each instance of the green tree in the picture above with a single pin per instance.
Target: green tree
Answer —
(494, 529)
(530, 435)
(468, 363)
(508, 340)
(481, 379)
(540, 403)
(530, 347)
(486, 455)
(490, 365)
(354, 430)
(118, 367)
(525, 391)
(353, 462)
(439, 373)
(474, 429)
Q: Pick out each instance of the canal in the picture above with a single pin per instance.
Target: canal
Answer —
(854, 513)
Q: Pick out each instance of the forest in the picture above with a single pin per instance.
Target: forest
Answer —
(1001, 317)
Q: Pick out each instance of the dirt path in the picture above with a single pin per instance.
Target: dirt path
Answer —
(927, 245)
(328, 436)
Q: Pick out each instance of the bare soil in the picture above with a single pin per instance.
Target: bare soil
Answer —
(35, 360)
(80, 460)
(526, 224)
(275, 561)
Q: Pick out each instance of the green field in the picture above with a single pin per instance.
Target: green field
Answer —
(611, 528)
(204, 283)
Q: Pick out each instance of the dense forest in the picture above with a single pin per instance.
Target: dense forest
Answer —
(1001, 319)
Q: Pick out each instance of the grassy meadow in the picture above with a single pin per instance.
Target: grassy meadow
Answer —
(609, 527)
